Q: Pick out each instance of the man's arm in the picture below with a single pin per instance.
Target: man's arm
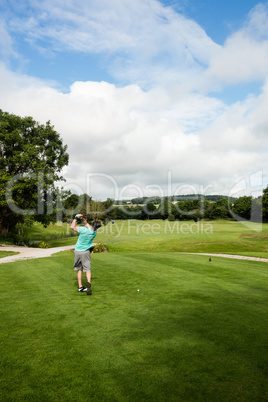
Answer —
(73, 226)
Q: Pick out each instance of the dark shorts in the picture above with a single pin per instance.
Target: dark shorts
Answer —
(82, 261)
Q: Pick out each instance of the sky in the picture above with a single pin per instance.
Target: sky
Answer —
(153, 98)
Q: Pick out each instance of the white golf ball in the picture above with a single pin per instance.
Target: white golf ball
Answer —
(138, 290)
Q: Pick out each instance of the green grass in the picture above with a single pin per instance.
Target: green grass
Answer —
(156, 236)
(55, 235)
(196, 330)
(7, 253)
(202, 237)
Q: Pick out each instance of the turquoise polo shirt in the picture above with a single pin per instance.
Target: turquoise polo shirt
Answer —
(84, 241)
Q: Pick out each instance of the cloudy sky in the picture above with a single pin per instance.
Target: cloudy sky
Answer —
(152, 97)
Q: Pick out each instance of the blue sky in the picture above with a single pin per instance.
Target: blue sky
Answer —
(165, 96)
(218, 18)
(41, 59)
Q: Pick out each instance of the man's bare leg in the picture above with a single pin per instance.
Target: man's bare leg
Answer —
(88, 275)
(89, 291)
(79, 278)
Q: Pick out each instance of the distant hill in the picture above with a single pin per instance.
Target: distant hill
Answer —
(158, 200)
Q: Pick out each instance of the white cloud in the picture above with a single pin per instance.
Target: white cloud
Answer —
(6, 43)
(143, 41)
(244, 55)
(242, 127)
(111, 26)
(137, 137)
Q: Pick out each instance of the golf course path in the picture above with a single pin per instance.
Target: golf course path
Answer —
(26, 253)
(238, 257)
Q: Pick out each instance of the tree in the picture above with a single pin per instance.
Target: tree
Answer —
(120, 213)
(72, 202)
(242, 207)
(265, 204)
(165, 209)
(219, 210)
(186, 210)
(108, 207)
(150, 210)
(31, 159)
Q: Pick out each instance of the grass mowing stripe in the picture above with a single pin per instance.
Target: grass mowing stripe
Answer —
(184, 336)
(231, 272)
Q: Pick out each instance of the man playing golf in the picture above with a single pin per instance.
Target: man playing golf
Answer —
(82, 257)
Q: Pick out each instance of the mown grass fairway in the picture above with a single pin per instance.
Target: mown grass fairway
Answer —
(196, 330)
(198, 237)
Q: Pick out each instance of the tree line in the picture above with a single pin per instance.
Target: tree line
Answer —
(246, 207)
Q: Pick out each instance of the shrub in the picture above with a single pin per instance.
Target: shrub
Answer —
(43, 244)
(100, 248)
